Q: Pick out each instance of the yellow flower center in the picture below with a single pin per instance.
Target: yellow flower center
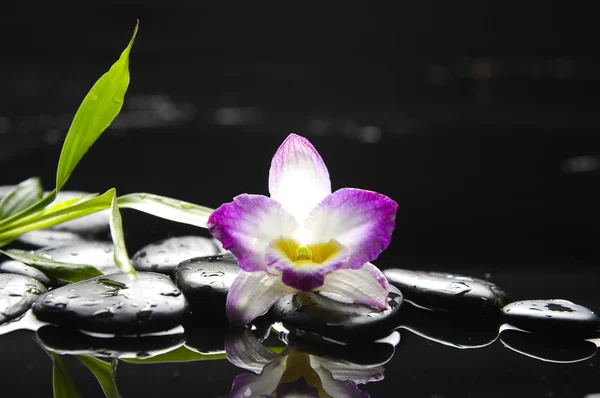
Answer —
(308, 254)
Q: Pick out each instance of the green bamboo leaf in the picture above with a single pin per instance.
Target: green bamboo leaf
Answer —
(54, 269)
(21, 197)
(105, 374)
(168, 208)
(57, 214)
(97, 111)
(61, 381)
(181, 354)
(34, 208)
(116, 231)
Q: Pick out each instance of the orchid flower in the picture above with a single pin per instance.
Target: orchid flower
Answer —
(293, 373)
(303, 237)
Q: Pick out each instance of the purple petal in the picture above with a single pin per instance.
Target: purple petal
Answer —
(252, 294)
(366, 285)
(363, 221)
(247, 225)
(304, 276)
(298, 177)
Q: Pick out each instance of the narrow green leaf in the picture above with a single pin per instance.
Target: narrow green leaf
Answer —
(168, 208)
(61, 381)
(21, 197)
(105, 374)
(34, 208)
(116, 231)
(54, 269)
(57, 214)
(97, 111)
(181, 354)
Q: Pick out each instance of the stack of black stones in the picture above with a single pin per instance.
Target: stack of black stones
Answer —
(183, 281)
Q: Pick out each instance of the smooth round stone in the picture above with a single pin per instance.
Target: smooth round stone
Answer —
(50, 238)
(318, 314)
(19, 268)
(448, 329)
(97, 254)
(165, 255)
(17, 294)
(548, 349)
(552, 317)
(447, 292)
(68, 341)
(115, 304)
(205, 282)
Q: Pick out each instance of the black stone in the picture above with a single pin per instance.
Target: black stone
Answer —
(115, 304)
(450, 293)
(17, 267)
(68, 341)
(449, 329)
(17, 294)
(205, 282)
(559, 317)
(165, 255)
(318, 314)
(546, 348)
(50, 238)
(95, 253)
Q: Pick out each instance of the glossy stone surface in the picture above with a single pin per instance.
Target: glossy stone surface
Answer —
(449, 329)
(548, 349)
(17, 294)
(95, 253)
(68, 341)
(448, 292)
(205, 282)
(316, 313)
(19, 268)
(115, 304)
(165, 255)
(50, 238)
(552, 317)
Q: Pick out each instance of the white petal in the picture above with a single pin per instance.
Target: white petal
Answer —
(252, 294)
(337, 388)
(366, 285)
(298, 178)
(360, 374)
(245, 351)
(250, 385)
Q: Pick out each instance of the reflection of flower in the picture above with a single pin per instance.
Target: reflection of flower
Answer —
(304, 237)
(293, 373)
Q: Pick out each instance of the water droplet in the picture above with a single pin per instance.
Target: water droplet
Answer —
(91, 303)
(173, 293)
(73, 296)
(104, 313)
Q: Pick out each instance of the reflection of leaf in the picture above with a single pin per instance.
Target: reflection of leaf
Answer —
(105, 373)
(61, 381)
(181, 354)
(55, 269)
(21, 197)
(168, 208)
(116, 231)
(97, 111)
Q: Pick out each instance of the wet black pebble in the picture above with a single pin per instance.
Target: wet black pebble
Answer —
(552, 317)
(68, 341)
(17, 267)
(17, 294)
(318, 314)
(450, 293)
(205, 282)
(95, 253)
(165, 255)
(546, 348)
(115, 304)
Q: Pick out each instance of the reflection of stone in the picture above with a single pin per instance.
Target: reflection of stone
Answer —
(206, 337)
(558, 317)
(450, 293)
(292, 372)
(115, 304)
(546, 348)
(165, 255)
(315, 313)
(448, 329)
(17, 294)
(17, 267)
(64, 340)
